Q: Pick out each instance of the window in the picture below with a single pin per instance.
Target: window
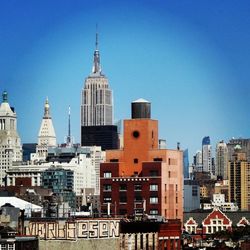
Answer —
(194, 191)
(3, 246)
(107, 199)
(136, 134)
(154, 173)
(11, 247)
(107, 175)
(123, 199)
(135, 160)
(123, 187)
(123, 211)
(153, 187)
(157, 159)
(153, 211)
(107, 187)
(138, 198)
(153, 200)
(138, 187)
(114, 160)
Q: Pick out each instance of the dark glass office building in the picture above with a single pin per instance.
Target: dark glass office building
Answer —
(105, 136)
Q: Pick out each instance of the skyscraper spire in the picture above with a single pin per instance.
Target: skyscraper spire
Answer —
(46, 108)
(97, 100)
(97, 65)
(69, 132)
(96, 39)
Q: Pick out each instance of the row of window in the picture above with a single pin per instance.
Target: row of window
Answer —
(123, 199)
(137, 187)
(152, 173)
(7, 246)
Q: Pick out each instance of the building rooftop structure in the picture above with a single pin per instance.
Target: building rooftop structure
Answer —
(19, 203)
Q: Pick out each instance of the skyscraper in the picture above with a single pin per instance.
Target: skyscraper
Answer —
(243, 143)
(185, 164)
(97, 127)
(207, 155)
(97, 101)
(10, 144)
(239, 179)
(221, 160)
(198, 161)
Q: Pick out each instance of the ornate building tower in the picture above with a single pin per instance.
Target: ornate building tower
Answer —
(47, 135)
(97, 127)
(10, 144)
(97, 102)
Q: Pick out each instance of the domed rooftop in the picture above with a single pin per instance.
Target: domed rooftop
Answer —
(5, 107)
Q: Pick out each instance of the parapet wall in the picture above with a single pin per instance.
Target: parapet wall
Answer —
(73, 230)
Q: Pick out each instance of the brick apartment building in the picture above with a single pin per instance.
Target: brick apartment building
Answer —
(141, 178)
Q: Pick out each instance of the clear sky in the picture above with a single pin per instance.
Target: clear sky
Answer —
(190, 59)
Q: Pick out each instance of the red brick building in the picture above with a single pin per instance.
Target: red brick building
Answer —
(141, 178)
(214, 221)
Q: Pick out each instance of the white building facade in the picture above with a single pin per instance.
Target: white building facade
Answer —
(207, 158)
(10, 143)
(46, 135)
(85, 167)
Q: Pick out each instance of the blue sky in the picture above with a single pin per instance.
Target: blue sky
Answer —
(189, 58)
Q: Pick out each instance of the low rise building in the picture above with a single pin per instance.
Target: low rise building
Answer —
(81, 161)
(209, 222)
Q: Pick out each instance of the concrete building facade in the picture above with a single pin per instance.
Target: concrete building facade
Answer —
(191, 195)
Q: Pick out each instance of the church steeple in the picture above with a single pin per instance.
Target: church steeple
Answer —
(97, 64)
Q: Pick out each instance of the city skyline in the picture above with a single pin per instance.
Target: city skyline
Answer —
(190, 60)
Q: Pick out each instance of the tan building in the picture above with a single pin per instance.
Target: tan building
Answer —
(239, 180)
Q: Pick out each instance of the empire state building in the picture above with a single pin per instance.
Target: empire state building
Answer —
(97, 104)
(97, 127)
